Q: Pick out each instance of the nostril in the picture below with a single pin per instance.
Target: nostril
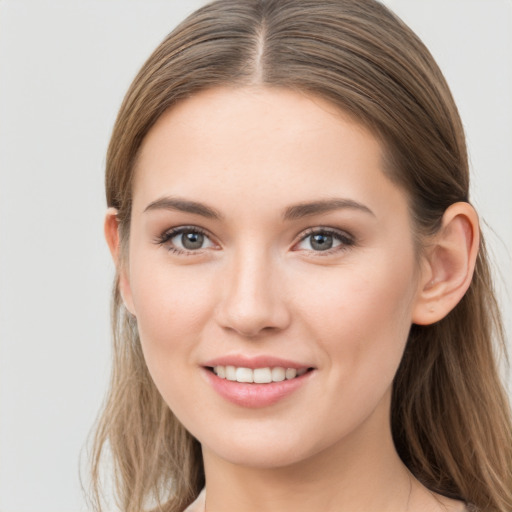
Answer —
(252, 303)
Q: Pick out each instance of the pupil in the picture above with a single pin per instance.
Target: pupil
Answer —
(321, 242)
(192, 240)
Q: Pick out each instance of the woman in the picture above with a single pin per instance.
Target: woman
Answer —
(303, 314)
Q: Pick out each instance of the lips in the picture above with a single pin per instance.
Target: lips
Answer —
(256, 382)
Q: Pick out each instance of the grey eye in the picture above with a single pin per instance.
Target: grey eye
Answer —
(321, 241)
(191, 240)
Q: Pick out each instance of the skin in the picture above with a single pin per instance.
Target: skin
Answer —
(257, 286)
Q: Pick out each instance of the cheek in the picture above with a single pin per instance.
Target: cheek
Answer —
(360, 321)
(171, 309)
(171, 305)
(362, 316)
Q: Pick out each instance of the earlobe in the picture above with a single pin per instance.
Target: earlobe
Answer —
(111, 229)
(449, 263)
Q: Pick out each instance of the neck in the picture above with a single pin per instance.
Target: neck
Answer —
(361, 472)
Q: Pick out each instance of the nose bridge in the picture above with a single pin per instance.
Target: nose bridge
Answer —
(253, 298)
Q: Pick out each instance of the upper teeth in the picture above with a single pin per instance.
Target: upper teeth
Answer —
(258, 375)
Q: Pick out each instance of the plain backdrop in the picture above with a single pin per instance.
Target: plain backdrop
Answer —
(64, 68)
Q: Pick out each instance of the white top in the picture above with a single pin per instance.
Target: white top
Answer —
(199, 504)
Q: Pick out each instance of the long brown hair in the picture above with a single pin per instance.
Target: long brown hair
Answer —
(450, 415)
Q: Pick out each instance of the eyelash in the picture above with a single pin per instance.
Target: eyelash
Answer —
(167, 236)
(346, 240)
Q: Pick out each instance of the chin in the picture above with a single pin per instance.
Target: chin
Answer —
(262, 450)
(262, 457)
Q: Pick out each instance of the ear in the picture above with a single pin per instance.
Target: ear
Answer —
(448, 265)
(111, 229)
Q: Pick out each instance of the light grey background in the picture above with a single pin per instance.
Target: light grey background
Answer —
(64, 68)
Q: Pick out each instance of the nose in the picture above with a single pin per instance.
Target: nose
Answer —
(253, 296)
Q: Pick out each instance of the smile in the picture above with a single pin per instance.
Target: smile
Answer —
(256, 382)
(265, 375)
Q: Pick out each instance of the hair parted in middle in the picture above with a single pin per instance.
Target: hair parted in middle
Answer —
(450, 414)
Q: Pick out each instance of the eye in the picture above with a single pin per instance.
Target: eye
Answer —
(185, 239)
(323, 239)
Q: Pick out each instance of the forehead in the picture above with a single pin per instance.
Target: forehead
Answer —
(259, 144)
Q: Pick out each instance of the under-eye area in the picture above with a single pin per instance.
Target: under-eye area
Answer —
(265, 375)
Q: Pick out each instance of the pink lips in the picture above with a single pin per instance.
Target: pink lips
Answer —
(250, 394)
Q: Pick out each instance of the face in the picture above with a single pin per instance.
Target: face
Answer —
(267, 244)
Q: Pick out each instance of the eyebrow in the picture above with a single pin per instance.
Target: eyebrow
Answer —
(324, 206)
(293, 212)
(183, 205)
